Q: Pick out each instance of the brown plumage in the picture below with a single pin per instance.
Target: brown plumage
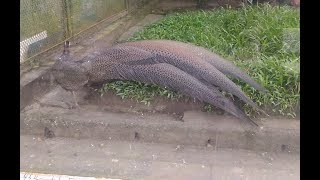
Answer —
(70, 75)
(149, 62)
(172, 52)
(226, 67)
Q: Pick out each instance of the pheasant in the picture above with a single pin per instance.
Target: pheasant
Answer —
(185, 68)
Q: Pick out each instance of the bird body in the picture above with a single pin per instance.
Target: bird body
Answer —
(190, 62)
(164, 63)
(226, 67)
(70, 75)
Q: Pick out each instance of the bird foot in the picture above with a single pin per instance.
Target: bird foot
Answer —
(74, 106)
(178, 116)
(78, 107)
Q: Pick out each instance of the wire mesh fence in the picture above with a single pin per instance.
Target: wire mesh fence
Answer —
(46, 23)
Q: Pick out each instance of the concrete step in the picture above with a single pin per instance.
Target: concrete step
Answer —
(149, 19)
(136, 160)
(197, 128)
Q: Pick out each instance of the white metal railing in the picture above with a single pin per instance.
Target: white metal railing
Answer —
(38, 176)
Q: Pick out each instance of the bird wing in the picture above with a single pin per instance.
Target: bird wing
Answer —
(218, 62)
(171, 77)
(194, 66)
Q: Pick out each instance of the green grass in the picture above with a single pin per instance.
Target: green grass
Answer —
(262, 40)
(142, 92)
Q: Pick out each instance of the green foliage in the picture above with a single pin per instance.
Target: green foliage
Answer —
(141, 92)
(262, 40)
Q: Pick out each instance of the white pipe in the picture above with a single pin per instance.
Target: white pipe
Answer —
(38, 176)
(24, 45)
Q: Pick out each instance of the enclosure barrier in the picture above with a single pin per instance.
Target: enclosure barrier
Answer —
(47, 23)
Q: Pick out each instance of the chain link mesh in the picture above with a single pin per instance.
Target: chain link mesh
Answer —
(46, 23)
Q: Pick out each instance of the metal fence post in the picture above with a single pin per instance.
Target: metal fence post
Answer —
(66, 13)
(127, 5)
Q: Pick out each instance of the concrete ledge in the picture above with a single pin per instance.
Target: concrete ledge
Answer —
(136, 160)
(34, 85)
(198, 128)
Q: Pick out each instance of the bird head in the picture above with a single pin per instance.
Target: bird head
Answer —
(69, 74)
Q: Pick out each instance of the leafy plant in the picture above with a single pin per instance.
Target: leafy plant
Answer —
(258, 39)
